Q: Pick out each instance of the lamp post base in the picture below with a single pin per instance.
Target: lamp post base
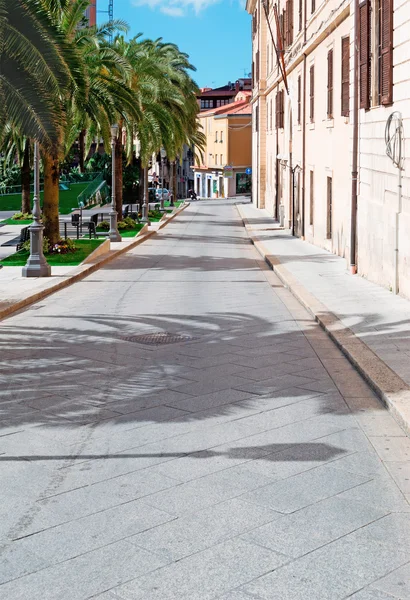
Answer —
(113, 234)
(36, 265)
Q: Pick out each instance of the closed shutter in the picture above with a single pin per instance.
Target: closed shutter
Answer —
(364, 54)
(386, 59)
(345, 92)
(330, 84)
(282, 109)
(313, 6)
(300, 14)
(289, 12)
(312, 93)
(285, 29)
(257, 67)
(277, 110)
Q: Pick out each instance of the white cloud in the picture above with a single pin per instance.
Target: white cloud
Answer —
(179, 8)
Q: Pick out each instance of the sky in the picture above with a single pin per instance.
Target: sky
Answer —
(215, 33)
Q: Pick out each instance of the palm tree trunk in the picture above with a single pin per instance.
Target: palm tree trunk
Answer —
(118, 175)
(82, 150)
(51, 198)
(25, 180)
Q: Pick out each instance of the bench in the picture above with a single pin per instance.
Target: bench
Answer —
(24, 237)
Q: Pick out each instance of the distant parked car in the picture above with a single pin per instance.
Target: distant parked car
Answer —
(155, 194)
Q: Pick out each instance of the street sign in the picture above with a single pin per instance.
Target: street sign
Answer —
(228, 172)
(248, 171)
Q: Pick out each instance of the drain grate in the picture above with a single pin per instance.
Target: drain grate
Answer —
(158, 339)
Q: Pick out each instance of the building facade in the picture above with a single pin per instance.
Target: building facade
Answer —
(226, 161)
(303, 127)
(91, 13)
(210, 98)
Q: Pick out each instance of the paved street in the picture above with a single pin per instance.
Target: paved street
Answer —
(176, 427)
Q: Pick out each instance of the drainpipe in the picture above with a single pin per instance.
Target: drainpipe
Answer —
(304, 142)
(277, 215)
(353, 223)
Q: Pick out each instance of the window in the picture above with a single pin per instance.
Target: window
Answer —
(329, 209)
(280, 109)
(255, 22)
(257, 67)
(222, 137)
(299, 100)
(330, 84)
(257, 118)
(222, 159)
(216, 137)
(364, 54)
(271, 114)
(345, 72)
(313, 6)
(216, 159)
(311, 199)
(312, 94)
(300, 14)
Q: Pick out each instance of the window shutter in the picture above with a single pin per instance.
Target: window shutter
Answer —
(300, 14)
(282, 109)
(313, 6)
(386, 59)
(257, 67)
(285, 29)
(277, 110)
(364, 54)
(330, 84)
(345, 100)
(289, 13)
(299, 99)
(312, 93)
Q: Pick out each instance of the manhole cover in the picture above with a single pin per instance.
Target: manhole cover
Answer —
(157, 339)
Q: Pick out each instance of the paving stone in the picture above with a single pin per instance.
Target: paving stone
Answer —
(206, 491)
(314, 526)
(392, 448)
(18, 562)
(302, 490)
(203, 576)
(219, 398)
(381, 491)
(396, 583)
(85, 575)
(330, 573)
(77, 537)
(371, 594)
(401, 474)
(77, 503)
(362, 463)
(205, 387)
(195, 532)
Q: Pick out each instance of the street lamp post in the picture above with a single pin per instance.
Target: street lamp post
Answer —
(163, 157)
(36, 266)
(145, 198)
(113, 234)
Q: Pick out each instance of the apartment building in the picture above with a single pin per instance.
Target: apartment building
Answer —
(209, 98)
(304, 127)
(225, 167)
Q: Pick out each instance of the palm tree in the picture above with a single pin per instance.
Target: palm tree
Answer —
(35, 68)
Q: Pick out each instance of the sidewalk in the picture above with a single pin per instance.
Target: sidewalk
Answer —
(369, 323)
(17, 292)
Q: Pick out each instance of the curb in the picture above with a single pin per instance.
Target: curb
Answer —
(389, 387)
(8, 308)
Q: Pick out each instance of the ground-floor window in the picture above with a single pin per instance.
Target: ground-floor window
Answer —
(329, 208)
(243, 183)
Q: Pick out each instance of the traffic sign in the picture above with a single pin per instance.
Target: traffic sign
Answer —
(248, 171)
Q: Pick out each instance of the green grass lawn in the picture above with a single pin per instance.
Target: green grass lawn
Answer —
(84, 249)
(132, 232)
(17, 222)
(176, 204)
(68, 199)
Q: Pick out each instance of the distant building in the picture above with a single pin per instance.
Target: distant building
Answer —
(91, 13)
(214, 98)
(225, 167)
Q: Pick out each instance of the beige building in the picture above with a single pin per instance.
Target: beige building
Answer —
(303, 127)
(227, 156)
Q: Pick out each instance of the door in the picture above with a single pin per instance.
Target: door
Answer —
(208, 189)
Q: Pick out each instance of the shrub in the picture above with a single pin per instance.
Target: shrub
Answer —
(46, 245)
(122, 226)
(103, 226)
(19, 216)
(131, 224)
(63, 247)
